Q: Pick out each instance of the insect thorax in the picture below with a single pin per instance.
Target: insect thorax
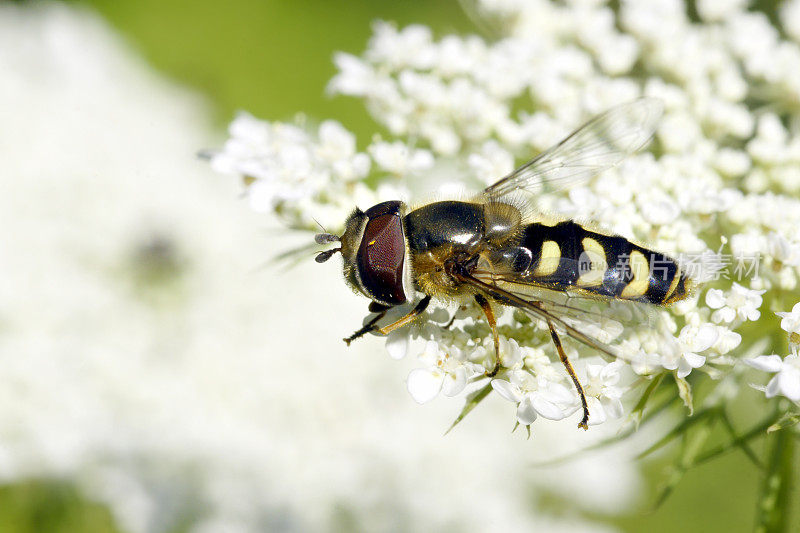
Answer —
(456, 230)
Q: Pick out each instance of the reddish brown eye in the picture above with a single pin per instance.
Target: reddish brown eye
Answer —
(381, 254)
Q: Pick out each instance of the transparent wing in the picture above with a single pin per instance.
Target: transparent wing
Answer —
(509, 269)
(602, 319)
(547, 312)
(599, 144)
(590, 319)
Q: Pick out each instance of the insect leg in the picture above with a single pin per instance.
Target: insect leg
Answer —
(584, 423)
(414, 313)
(452, 320)
(487, 310)
(369, 326)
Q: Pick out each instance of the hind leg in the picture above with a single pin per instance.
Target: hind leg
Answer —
(584, 423)
(489, 312)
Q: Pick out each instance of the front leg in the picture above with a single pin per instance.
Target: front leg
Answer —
(371, 325)
(413, 314)
(366, 328)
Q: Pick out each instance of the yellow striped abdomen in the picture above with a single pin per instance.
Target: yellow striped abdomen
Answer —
(566, 256)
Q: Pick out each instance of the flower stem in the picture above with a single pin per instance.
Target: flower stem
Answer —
(773, 506)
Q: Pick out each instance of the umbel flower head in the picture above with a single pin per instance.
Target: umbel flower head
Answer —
(719, 181)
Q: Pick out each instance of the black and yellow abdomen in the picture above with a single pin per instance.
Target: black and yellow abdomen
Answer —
(567, 256)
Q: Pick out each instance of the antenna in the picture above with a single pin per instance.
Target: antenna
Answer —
(325, 238)
(320, 225)
(324, 256)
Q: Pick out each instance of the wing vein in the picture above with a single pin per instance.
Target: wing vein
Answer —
(598, 145)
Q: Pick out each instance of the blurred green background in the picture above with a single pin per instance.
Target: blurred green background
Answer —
(274, 58)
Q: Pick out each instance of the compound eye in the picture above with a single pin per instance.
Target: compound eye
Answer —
(380, 259)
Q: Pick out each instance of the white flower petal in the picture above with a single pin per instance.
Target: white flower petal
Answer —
(593, 371)
(439, 315)
(715, 298)
(545, 407)
(684, 368)
(424, 384)
(789, 382)
(727, 341)
(726, 314)
(526, 414)
(790, 323)
(645, 363)
(454, 382)
(397, 343)
(613, 407)
(694, 360)
(597, 414)
(610, 373)
(767, 363)
(507, 390)
(431, 354)
(773, 387)
(751, 314)
(559, 394)
(669, 363)
(705, 338)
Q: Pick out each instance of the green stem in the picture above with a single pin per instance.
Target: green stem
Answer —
(773, 507)
(472, 400)
(743, 439)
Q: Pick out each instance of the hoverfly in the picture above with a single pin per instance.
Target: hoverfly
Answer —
(496, 251)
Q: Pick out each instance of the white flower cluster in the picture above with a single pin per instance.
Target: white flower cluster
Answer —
(719, 175)
(145, 364)
(786, 381)
(287, 169)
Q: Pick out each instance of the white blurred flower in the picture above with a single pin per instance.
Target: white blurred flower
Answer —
(491, 163)
(536, 397)
(134, 329)
(538, 361)
(554, 402)
(356, 77)
(409, 47)
(783, 250)
(446, 372)
(723, 169)
(642, 362)
(338, 146)
(602, 392)
(397, 343)
(286, 168)
(715, 10)
(511, 353)
(741, 303)
(790, 18)
(727, 340)
(399, 159)
(786, 381)
(681, 353)
(790, 323)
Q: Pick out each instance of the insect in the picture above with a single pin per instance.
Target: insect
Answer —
(495, 250)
